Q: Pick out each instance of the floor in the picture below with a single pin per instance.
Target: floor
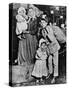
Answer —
(61, 79)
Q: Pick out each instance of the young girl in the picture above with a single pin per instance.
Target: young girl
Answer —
(40, 68)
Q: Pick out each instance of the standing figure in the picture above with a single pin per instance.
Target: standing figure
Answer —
(22, 23)
(27, 42)
(53, 45)
(40, 68)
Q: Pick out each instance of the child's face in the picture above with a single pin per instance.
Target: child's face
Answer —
(43, 23)
(22, 12)
(43, 46)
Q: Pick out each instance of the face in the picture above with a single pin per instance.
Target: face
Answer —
(43, 46)
(22, 12)
(31, 13)
(43, 23)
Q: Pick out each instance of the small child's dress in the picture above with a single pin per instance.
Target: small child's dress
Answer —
(40, 68)
(21, 24)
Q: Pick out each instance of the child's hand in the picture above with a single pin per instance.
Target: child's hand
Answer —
(19, 37)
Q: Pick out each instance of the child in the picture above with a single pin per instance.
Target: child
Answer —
(22, 20)
(40, 68)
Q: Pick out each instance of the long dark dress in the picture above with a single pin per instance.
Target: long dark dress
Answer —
(27, 45)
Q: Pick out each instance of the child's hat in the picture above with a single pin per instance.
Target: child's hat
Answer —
(41, 41)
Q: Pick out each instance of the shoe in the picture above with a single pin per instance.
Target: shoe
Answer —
(37, 82)
(48, 76)
(41, 80)
(53, 81)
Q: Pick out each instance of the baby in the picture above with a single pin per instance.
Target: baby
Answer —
(21, 21)
(40, 68)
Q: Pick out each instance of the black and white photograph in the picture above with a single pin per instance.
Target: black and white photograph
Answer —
(37, 44)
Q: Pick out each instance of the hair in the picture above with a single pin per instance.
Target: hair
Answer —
(46, 20)
(43, 43)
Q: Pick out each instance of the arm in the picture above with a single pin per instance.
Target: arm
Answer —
(28, 20)
(26, 32)
(50, 33)
(44, 33)
(37, 57)
(32, 27)
(37, 54)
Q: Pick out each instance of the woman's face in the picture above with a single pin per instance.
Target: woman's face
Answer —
(43, 23)
(31, 13)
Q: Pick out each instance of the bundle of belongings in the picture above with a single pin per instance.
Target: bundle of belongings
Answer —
(60, 36)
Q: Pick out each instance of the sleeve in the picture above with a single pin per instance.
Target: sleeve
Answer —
(38, 54)
(47, 51)
(32, 27)
(37, 57)
(17, 31)
(19, 17)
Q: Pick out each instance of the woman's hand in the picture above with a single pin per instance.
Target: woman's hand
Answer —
(19, 37)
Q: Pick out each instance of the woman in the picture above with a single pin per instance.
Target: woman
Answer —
(27, 42)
